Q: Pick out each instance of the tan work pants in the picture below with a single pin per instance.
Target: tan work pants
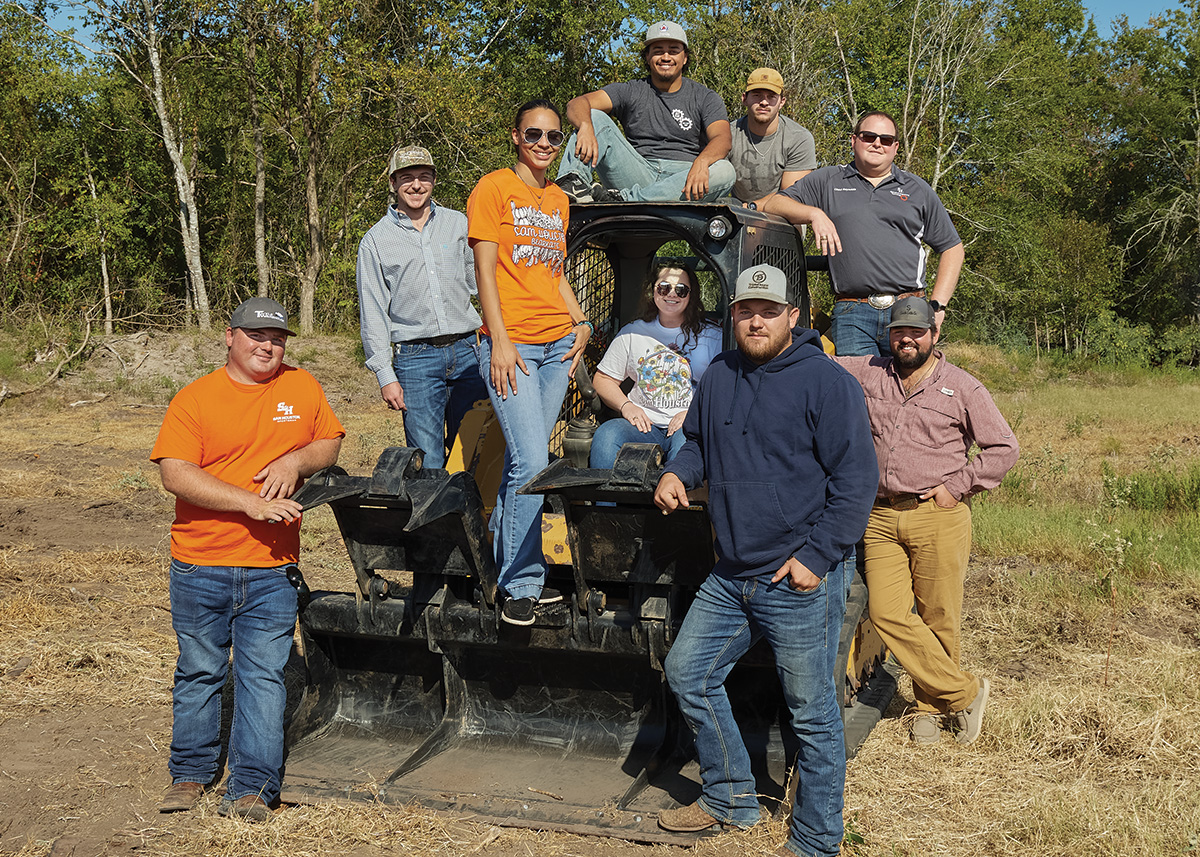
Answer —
(920, 556)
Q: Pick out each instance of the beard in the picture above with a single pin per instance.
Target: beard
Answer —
(761, 349)
(910, 360)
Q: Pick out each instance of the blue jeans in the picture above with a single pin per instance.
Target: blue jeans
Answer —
(527, 418)
(617, 432)
(254, 610)
(857, 328)
(802, 628)
(621, 168)
(440, 386)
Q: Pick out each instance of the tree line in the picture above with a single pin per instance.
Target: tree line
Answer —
(203, 151)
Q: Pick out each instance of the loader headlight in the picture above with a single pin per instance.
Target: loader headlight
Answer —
(719, 228)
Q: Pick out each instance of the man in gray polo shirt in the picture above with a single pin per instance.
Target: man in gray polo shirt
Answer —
(883, 216)
(676, 133)
(416, 276)
(770, 152)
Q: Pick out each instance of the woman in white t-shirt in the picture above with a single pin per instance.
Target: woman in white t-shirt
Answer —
(665, 352)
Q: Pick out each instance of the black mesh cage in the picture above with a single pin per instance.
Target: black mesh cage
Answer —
(590, 272)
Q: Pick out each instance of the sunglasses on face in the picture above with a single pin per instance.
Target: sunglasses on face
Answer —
(533, 136)
(871, 137)
(663, 289)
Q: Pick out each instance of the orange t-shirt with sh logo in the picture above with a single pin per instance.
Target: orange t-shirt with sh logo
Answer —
(233, 431)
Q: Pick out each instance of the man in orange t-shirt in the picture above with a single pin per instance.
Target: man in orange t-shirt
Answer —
(233, 448)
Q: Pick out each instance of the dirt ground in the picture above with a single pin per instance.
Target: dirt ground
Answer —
(87, 651)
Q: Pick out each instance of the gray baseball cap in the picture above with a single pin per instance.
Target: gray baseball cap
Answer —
(257, 313)
(912, 312)
(666, 30)
(762, 282)
(411, 156)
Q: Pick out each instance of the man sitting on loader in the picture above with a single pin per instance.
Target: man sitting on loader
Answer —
(781, 435)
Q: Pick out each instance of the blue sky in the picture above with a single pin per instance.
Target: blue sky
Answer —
(1104, 11)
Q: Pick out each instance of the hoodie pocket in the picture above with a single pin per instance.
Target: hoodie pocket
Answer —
(752, 527)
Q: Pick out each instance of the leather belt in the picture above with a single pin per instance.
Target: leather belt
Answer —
(901, 502)
(438, 341)
(882, 301)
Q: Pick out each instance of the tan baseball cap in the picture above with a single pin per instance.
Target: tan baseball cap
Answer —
(411, 156)
(762, 282)
(765, 78)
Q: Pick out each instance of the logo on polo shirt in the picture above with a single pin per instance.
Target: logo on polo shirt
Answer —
(283, 413)
(900, 194)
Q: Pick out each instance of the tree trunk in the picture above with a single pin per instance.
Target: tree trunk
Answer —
(260, 172)
(108, 313)
(189, 220)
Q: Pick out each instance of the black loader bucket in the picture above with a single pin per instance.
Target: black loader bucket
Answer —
(417, 693)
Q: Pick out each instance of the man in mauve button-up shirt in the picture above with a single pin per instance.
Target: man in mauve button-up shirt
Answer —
(925, 416)
(416, 276)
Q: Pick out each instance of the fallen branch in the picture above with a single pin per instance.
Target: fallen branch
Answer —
(6, 393)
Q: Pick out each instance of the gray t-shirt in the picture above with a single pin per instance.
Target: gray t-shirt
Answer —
(668, 125)
(883, 229)
(760, 162)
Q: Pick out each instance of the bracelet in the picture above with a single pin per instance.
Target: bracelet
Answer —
(622, 409)
(591, 327)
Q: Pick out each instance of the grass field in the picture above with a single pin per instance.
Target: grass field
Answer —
(1083, 608)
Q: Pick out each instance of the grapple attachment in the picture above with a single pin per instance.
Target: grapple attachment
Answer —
(417, 693)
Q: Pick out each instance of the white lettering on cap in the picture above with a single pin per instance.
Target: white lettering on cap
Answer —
(274, 316)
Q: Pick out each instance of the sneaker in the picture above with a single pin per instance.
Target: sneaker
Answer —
(181, 797)
(518, 611)
(576, 189)
(249, 807)
(925, 729)
(686, 819)
(549, 596)
(970, 719)
(600, 193)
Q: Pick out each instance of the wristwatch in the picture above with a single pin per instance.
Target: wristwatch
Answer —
(937, 307)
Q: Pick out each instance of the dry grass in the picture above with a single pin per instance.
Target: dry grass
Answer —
(1091, 747)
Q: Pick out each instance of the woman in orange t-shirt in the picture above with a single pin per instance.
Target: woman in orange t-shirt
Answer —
(533, 336)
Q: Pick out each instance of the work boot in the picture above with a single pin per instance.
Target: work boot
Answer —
(249, 807)
(925, 729)
(970, 719)
(180, 797)
(686, 819)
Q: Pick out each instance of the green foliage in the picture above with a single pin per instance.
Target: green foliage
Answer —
(1156, 490)
(1067, 161)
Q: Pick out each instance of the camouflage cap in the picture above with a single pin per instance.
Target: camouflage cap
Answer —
(411, 156)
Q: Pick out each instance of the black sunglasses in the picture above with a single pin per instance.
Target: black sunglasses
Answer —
(871, 137)
(682, 290)
(534, 135)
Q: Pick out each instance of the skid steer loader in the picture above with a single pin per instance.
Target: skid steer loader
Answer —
(417, 693)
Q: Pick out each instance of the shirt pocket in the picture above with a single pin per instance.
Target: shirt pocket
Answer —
(938, 420)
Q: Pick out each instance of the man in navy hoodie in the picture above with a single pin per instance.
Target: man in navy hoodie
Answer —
(781, 435)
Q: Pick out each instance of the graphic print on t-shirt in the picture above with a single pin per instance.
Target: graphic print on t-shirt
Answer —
(537, 236)
(685, 121)
(665, 379)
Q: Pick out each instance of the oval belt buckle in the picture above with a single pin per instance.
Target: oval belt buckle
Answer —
(881, 301)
